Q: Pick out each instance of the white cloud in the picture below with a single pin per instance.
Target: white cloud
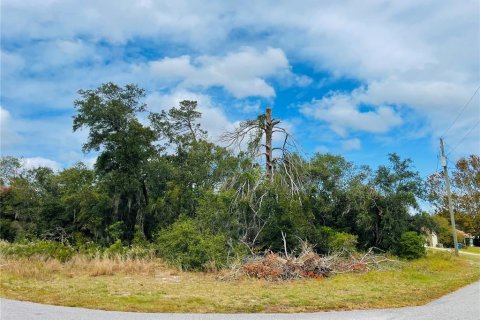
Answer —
(11, 63)
(351, 144)
(4, 116)
(60, 53)
(365, 40)
(35, 162)
(50, 137)
(248, 107)
(241, 73)
(438, 101)
(8, 136)
(342, 112)
(90, 162)
(416, 55)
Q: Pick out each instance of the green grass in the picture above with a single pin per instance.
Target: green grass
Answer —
(153, 287)
(471, 249)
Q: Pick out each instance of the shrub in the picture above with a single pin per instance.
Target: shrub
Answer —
(116, 231)
(139, 237)
(115, 250)
(187, 246)
(343, 241)
(7, 231)
(44, 249)
(411, 246)
(89, 250)
(329, 240)
(144, 252)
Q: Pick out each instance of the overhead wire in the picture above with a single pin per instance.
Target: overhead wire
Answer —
(464, 137)
(461, 111)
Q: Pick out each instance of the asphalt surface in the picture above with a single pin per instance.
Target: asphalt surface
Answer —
(451, 250)
(462, 304)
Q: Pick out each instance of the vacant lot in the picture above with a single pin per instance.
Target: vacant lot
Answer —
(151, 286)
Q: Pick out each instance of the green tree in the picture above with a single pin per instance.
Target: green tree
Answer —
(196, 167)
(110, 113)
(85, 201)
(179, 125)
(10, 168)
(396, 190)
(465, 186)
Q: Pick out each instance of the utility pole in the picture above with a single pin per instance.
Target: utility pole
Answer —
(450, 208)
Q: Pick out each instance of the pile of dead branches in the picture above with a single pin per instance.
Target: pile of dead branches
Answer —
(273, 267)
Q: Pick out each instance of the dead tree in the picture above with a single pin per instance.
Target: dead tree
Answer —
(253, 131)
(269, 127)
(283, 168)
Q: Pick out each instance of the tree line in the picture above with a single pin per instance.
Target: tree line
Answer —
(159, 179)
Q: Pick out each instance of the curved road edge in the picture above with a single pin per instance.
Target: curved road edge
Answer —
(461, 304)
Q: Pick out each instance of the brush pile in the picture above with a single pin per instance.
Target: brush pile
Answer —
(273, 267)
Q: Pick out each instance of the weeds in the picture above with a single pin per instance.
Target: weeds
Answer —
(149, 285)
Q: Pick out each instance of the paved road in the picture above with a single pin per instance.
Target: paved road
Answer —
(451, 250)
(462, 304)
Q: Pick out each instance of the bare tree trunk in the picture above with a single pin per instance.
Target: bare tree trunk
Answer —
(116, 205)
(145, 192)
(266, 125)
(268, 144)
(140, 219)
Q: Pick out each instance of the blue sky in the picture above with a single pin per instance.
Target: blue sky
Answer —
(356, 78)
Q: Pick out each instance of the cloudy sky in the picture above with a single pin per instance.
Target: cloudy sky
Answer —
(357, 78)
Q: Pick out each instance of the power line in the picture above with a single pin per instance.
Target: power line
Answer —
(461, 140)
(461, 112)
(449, 193)
(454, 154)
(469, 173)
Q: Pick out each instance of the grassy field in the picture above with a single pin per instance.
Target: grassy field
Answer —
(150, 286)
(471, 249)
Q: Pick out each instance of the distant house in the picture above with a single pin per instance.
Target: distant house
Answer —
(432, 239)
(467, 238)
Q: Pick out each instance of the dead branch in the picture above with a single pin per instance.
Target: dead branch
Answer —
(308, 264)
(285, 244)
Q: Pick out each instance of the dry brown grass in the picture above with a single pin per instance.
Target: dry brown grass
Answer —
(100, 267)
(31, 268)
(34, 268)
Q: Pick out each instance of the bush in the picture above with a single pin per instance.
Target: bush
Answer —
(43, 249)
(143, 252)
(187, 246)
(139, 237)
(343, 241)
(411, 246)
(329, 240)
(116, 231)
(115, 250)
(7, 231)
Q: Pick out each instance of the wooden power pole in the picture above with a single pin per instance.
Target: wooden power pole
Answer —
(450, 208)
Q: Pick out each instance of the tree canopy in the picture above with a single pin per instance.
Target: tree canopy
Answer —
(157, 176)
